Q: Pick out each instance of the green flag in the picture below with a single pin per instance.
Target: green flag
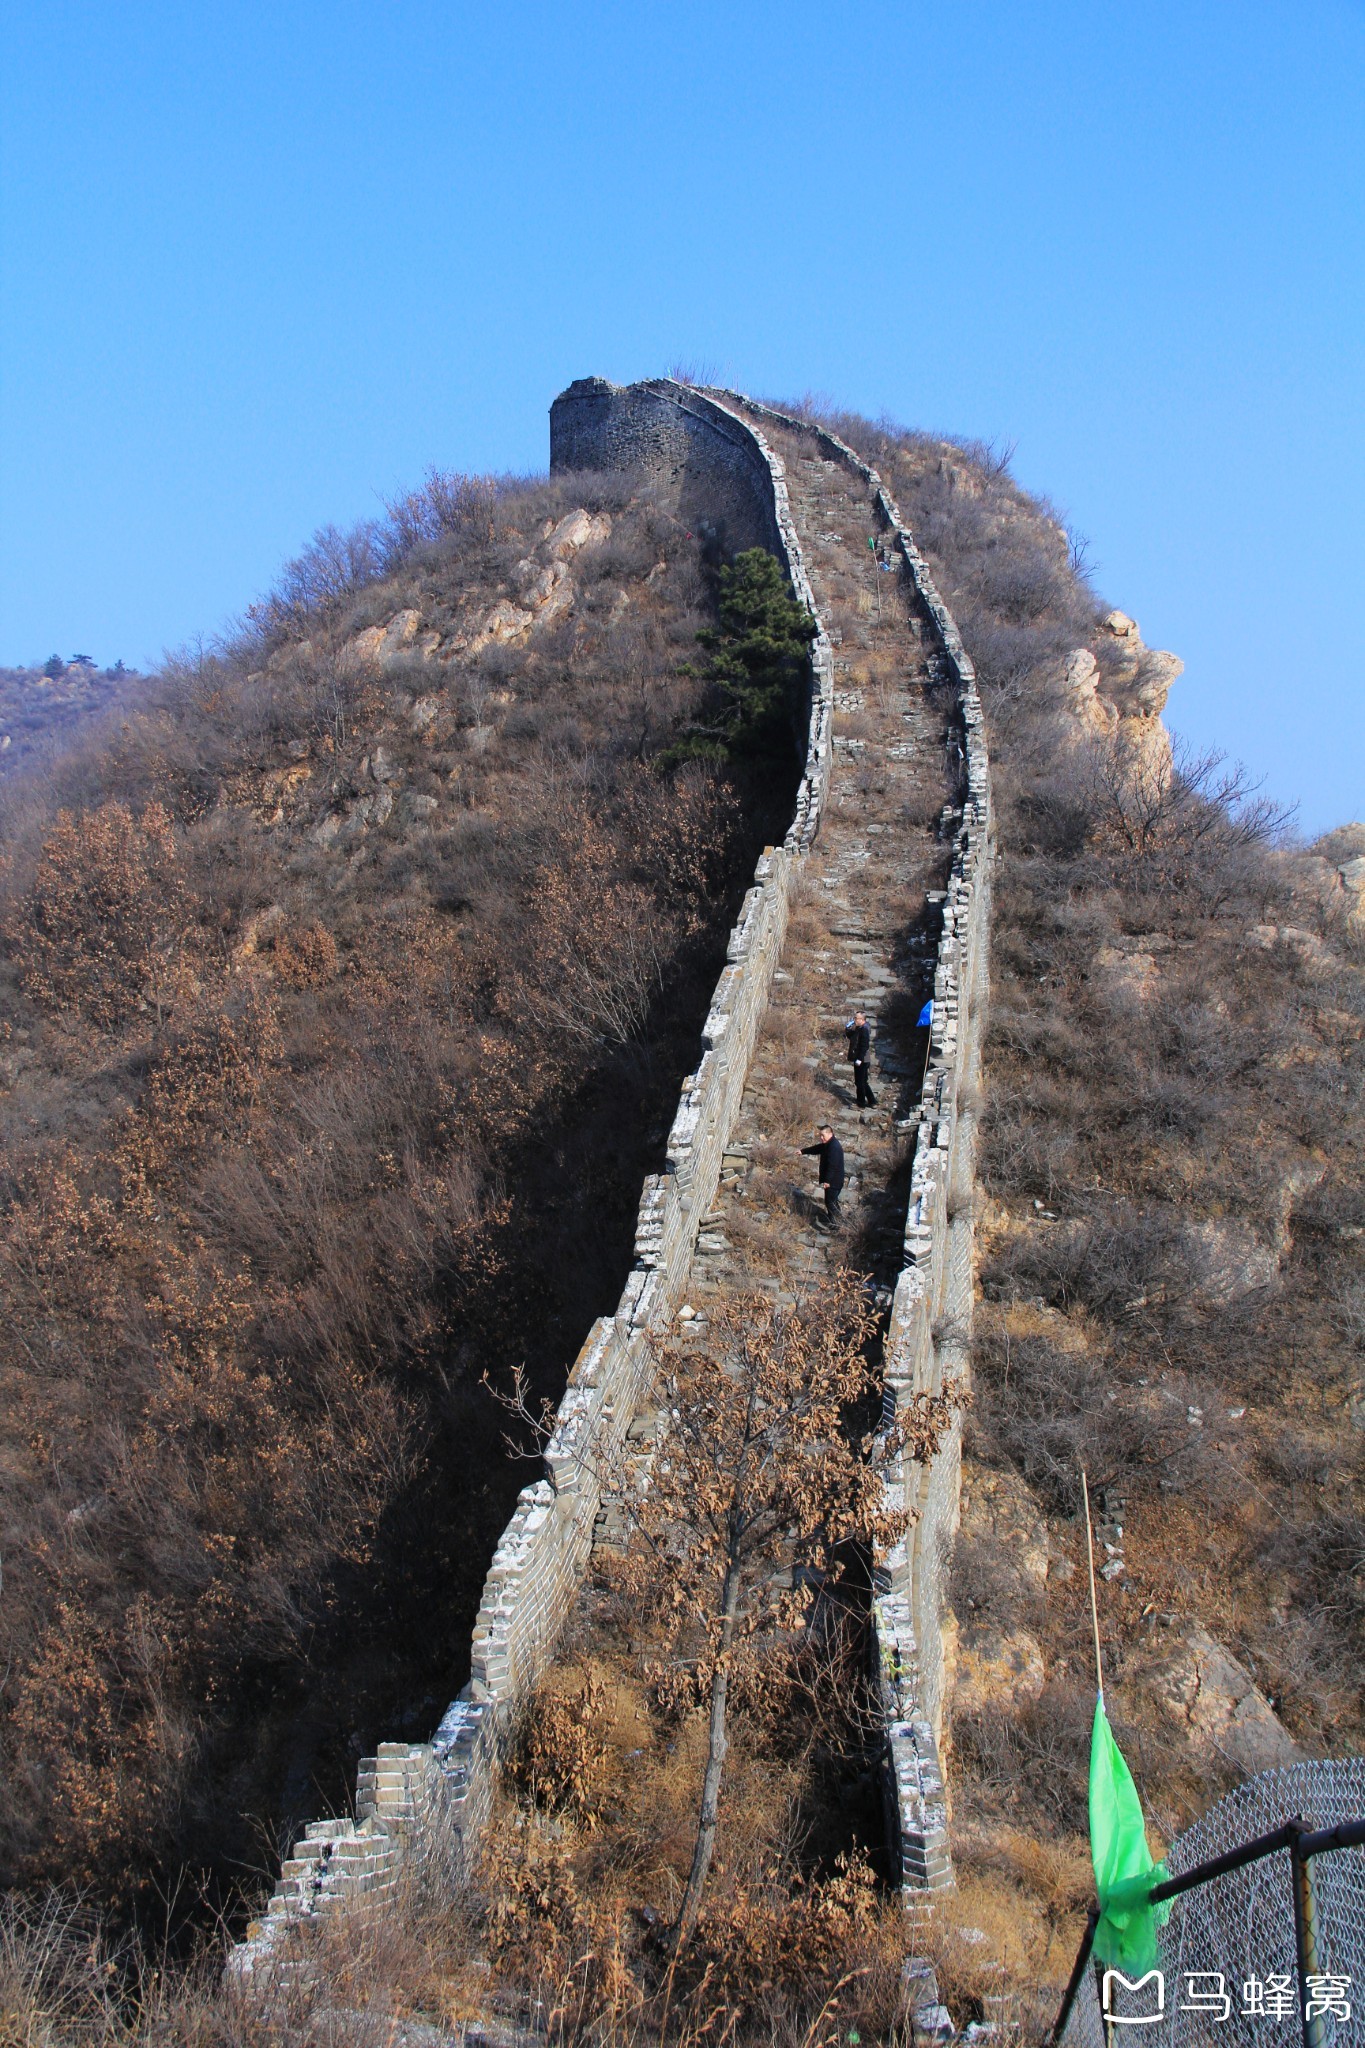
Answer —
(1124, 1871)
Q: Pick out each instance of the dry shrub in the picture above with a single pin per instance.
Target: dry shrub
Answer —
(774, 1959)
(306, 957)
(281, 1186)
(105, 912)
(561, 1751)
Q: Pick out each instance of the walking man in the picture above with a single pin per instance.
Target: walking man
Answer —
(860, 1051)
(830, 1154)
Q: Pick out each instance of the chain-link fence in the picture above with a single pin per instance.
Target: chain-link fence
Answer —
(1230, 1952)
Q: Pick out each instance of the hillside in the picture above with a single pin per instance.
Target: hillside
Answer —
(1172, 1196)
(349, 990)
(42, 710)
(1167, 1221)
(347, 986)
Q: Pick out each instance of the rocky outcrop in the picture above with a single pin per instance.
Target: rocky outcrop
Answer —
(1339, 859)
(1096, 717)
(1116, 692)
(544, 591)
(1138, 678)
(1228, 1261)
(1000, 1514)
(1127, 970)
(992, 1664)
(1002, 1538)
(1352, 873)
(1202, 1688)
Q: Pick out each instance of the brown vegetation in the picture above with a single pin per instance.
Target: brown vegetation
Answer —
(348, 982)
(761, 1486)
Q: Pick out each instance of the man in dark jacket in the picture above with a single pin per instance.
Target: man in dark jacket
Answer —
(831, 1170)
(860, 1052)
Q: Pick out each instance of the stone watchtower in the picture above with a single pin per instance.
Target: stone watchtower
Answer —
(704, 464)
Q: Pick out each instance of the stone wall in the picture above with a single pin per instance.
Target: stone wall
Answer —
(424, 1799)
(433, 1798)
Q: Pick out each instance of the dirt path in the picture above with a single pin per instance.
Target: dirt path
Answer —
(862, 936)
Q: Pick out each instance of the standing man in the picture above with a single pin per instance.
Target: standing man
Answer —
(831, 1170)
(860, 1051)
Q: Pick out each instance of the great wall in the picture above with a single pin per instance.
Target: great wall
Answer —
(878, 898)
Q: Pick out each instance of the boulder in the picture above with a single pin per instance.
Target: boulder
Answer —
(1126, 974)
(998, 1510)
(1202, 1687)
(1124, 639)
(537, 583)
(1157, 671)
(13, 1060)
(397, 640)
(560, 600)
(576, 530)
(401, 631)
(995, 1667)
(1140, 677)
(259, 929)
(1122, 698)
(366, 811)
(1228, 1260)
(1346, 843)
(1080, 682)
(1309, 947)
(506, 621)
(278, 788)
(1296, 1181)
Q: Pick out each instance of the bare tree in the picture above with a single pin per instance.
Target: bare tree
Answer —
(770, 1465)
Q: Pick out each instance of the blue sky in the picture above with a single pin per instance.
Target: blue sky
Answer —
(263, 264)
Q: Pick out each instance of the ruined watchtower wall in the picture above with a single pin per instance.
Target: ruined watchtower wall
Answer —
(707, 463)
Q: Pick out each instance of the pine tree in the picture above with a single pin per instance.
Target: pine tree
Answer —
(758, 671)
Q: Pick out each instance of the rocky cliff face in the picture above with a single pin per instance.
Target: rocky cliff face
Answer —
(1339, 869)
(1117, 691)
